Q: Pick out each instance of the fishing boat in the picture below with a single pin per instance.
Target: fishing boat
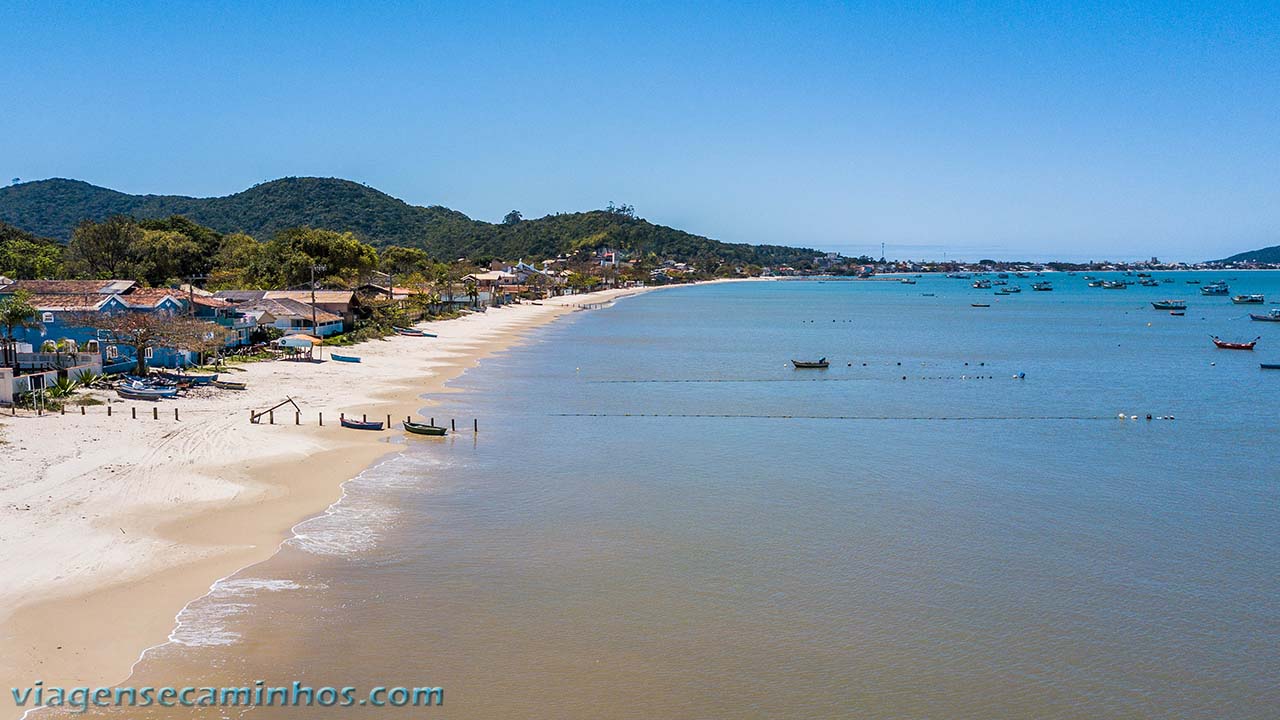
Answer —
(1148, 283)
(410, 332)
(129, 392)
(1193, 282)
(1215, 288)
(423, 428)
(1270, 366)
(981, 284)
(229, 385)
(344, 358)
(1169, 304)
(1234, 345)
(1273, 316)
(1095, 283)
(1255, 299)
(820, 364)
(193, 379)
(360, 424)
(1167, 281)
(1013, 289)
(1178, 313)
(1000, 282)
(1044, 286)
(1115, 285)
(979, 305)
(907, 281)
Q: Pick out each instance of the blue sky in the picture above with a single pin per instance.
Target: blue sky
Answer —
(973, 129)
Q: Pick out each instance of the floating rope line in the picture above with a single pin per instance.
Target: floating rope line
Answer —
(790, 380)
(842, 417)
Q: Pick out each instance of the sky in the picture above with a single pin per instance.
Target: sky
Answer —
(966, 130)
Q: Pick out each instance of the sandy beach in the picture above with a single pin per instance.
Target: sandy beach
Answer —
(112, 524)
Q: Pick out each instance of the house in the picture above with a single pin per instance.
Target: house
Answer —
(291, 317)
(60, 305)
(342, 303)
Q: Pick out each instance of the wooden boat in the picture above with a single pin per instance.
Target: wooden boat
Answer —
(981, 284)
(1096, 283)
(1193, 282)
(1115, 285)
(1148, 283)
(344, 358)
(229, 385)
(424, 428)
(1271, 366)
(409, 332)
(1273, 316)
(1234, 345)
(1217, 288)
(1178, 313)
(907, 281)
(145, 393)
(1169, 304)
(360, 424)
(1249, 299)
(821, 364)
(1012, 289)
(1045, 286)
(189, 378)
(979, 305)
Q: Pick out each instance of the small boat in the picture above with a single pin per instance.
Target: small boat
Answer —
(1044, 286)
(344, 358)
(1169, 304)
(410, 332)
(145, 393)
(1215, 288)
(979, 305)
(1193, 282)
(360, 424)
(1000, 282)
(1096, 283)
(1167, 281)
(189, 378)
(1255, 299)
(1178, 313)
(1002, 275)
(1270, 366)
(1115, 285)
(981, 284)
(1234, 345)
(1148, 283)
(907, 281)
(821, 364)
(1273, 316)
(423, 428)
(1012, 289)
(229, 385)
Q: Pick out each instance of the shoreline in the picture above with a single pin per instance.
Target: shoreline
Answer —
(241, 488)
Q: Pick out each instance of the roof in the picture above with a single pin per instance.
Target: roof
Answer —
(207, 301)
(240, 295)
(325, 297)
(150, 297)
(491, 276)
(73, 287)
(65, 302)
(286, 308)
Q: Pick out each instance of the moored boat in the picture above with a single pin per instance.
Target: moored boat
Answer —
(1044, 286)
(819, 364)
(1255, 299)
(1178, 313)
(981, 284)
(229, 385)
(344, 358)
(360, 424)
(1273, 316)
(1169, 304)
(423, 428)
(1270, 366)
(1234, 345)
(410, 332)
(907, 281)
(129, 392)
(979, 305)
(1215, 288)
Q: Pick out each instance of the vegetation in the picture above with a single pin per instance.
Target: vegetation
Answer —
(1263, 255)
(54, 208)
(24, 256)
(147, 330)
(16, 312)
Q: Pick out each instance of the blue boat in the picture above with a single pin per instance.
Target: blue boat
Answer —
(139, 391)
(1215, 288)
(409, 332)
(344, 358)
(360, 424)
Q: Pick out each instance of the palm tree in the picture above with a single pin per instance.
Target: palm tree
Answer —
(16, 311)
(473, 293)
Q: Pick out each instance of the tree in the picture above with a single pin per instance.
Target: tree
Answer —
(396, 260)
(512, 218)
(473, 292)
(103, 250)
(27, 257)
(16, 311)
(147, 330)
(287, 260)
(165, 257)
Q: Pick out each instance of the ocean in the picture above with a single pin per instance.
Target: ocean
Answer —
(967, 515)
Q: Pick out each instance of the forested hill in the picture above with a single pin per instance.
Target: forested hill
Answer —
(1263, 255)
(52, 208)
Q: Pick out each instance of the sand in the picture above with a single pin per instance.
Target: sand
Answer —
(110, 525)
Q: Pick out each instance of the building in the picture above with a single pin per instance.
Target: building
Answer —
(342, 303)
(291, 317)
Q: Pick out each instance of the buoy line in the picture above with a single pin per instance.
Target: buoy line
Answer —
(949, 418)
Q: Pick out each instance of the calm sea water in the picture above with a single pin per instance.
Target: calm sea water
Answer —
(661, 518)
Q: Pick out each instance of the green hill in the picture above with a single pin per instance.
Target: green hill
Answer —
(52, 208)
(1263, 255)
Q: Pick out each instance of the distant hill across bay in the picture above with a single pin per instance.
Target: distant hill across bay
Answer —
(1262, 255)
(52, 208)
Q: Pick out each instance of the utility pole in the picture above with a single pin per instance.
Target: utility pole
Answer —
(314, 327)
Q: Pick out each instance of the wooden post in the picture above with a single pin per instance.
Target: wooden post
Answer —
(364, 417)
(81, 409)
(453, 425)
(271, 417)
(433, 421)
(175, 414)
(297, 418)
(321, 419)
(388, 421)
(108, 411)
(155, 413)
(253, 420)
(64, 409)
(475, 425)
(135, 412)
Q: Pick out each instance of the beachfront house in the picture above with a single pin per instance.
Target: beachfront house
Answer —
(342, 303)
(291, 317)
(60, 306)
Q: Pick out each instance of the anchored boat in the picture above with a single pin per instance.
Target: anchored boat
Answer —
(1255, 299)
(1169, 304)
(344, 358)
(820, 364)
(360, 424)
(1235, 345)
(423, 428)
(1273, 316)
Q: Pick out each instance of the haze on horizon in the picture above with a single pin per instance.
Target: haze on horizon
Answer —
(997, 130)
